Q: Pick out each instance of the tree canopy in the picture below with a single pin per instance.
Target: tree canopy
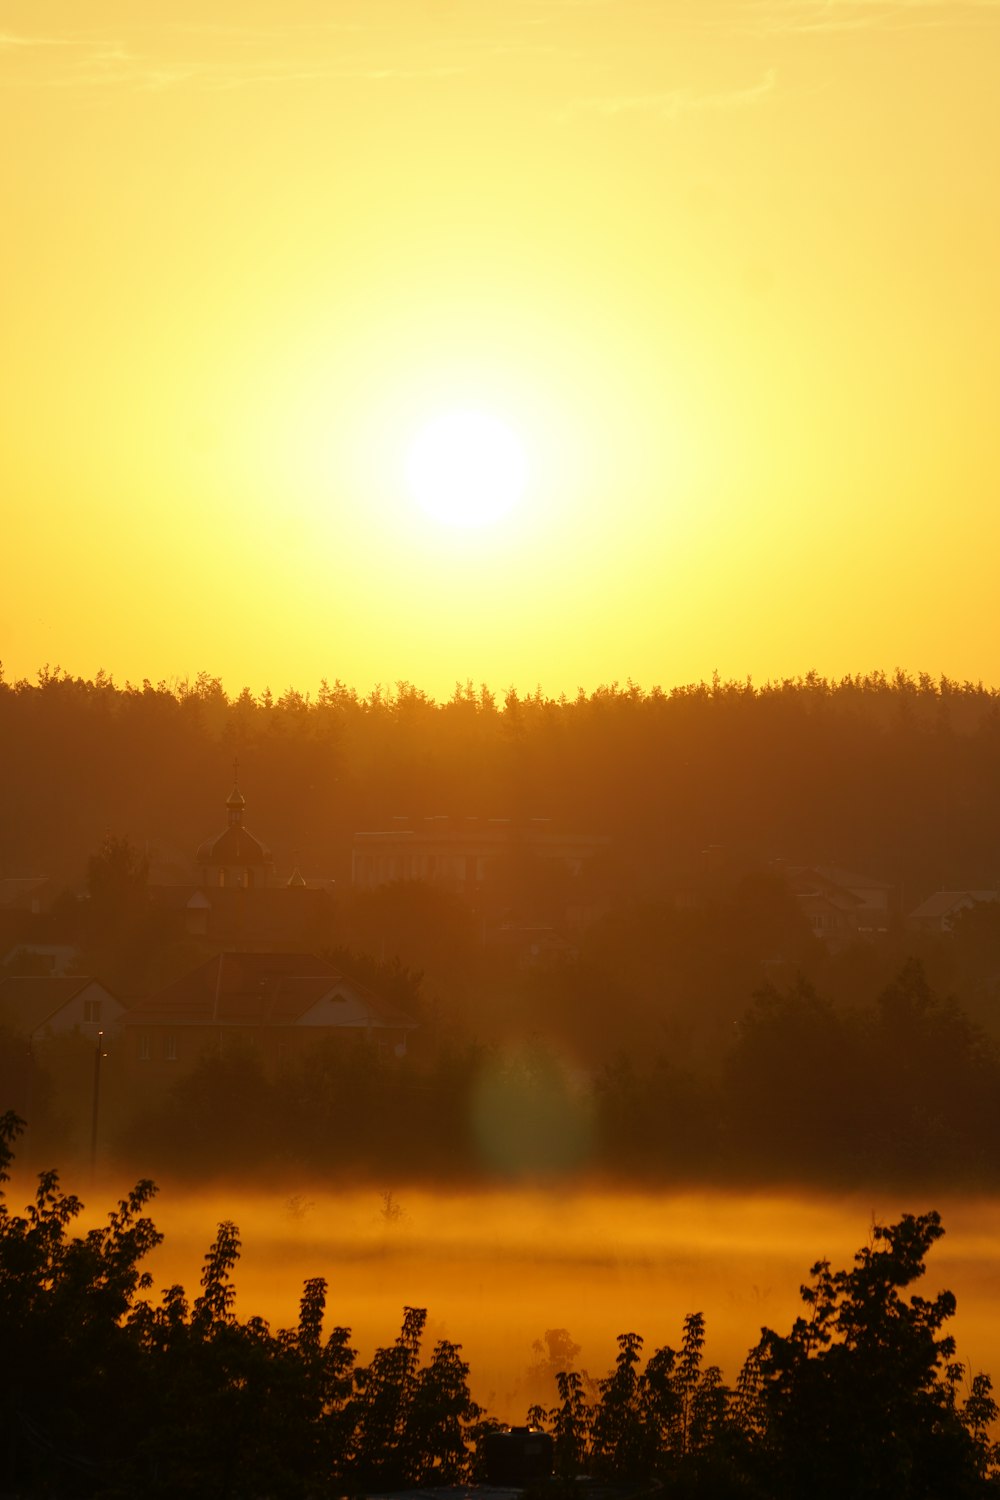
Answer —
(106, 1391)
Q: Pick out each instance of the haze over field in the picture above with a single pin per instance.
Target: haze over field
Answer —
(497, 1270)
(705, 296)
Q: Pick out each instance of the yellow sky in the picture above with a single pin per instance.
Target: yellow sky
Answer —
(730, 269)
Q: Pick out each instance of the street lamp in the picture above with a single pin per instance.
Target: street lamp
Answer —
(99, 1053)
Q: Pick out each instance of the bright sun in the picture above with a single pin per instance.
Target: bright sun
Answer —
(466, 468)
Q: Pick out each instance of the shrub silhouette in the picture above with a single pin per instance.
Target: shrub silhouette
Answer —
(106, 1394)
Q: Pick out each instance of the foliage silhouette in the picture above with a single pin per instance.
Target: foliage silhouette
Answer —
(105, 1393)
(861, 1398)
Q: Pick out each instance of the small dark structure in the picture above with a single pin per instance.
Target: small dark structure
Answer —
(517, 1455)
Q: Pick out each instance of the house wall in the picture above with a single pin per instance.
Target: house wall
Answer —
(92, 1010)
(153, 1056)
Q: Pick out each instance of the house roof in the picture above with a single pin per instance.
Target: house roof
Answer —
(849, 880)
(827, 901)
(17, 890)
(808, 881)
(344, 1002)
(263, 989)
(27, 1002)
(942, 902)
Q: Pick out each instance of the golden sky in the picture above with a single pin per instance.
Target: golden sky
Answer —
(728, 269)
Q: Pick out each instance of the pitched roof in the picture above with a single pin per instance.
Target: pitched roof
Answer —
(18, 890)
(28, 1001)
(850, 880)
(227, 984)
(262, 989)
(808, 881)
(828, 901)
(942, 902)
(347, 1003)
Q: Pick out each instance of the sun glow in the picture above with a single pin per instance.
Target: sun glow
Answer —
(466, 468)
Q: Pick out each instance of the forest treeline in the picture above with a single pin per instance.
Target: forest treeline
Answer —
(109, 1390)
(709, 1036)
(893, 775)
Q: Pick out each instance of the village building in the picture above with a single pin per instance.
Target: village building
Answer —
(234, 859)
(42, 1007)
(24, 900)
(31, 894)
(239, 902)
(938, 912)
(461, 853)
(840, 905)
(277, 1004)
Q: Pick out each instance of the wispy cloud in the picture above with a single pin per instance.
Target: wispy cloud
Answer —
(804, 17)
(369, 45)
(9, 42)
(238, 58)
(669, 104)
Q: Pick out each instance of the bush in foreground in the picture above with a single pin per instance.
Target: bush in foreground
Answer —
(105, 1394)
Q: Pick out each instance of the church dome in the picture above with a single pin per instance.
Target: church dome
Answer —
(236, 847)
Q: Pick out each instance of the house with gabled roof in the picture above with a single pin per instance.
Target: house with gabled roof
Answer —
(39, 1007)
(874, 897)
(839, 905)
(26, 893)
(276, 1003)
(938, 911)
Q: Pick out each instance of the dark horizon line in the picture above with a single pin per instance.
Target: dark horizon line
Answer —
(207, 685)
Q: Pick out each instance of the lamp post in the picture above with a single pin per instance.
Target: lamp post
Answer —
(99, 1053)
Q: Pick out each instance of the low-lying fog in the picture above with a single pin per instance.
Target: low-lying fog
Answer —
(496, 1270)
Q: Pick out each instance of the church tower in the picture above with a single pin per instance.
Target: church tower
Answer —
(234, 859)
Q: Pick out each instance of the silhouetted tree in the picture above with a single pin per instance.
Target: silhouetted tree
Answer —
(790, 1085)
(571, 1423)
(618, 1444)
(104, 1394)
(862, 1397)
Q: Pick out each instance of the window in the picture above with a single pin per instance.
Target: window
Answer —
(144, 1048)
(171, 1047)
(91, 1012)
